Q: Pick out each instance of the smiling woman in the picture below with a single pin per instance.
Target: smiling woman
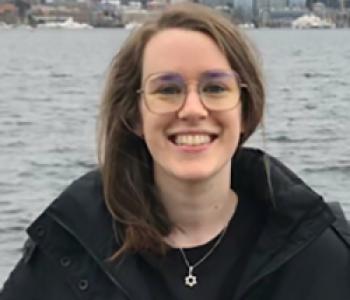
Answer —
(195, 139)
(179, 208)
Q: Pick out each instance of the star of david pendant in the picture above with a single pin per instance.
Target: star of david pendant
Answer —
(190, 279)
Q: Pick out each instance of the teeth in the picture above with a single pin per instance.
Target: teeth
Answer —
(192, 139)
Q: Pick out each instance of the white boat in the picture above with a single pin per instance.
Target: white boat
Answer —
(69, 23)
(246, 25)
(15, 26)
(5, 26)
(132, 25)
(311, 21)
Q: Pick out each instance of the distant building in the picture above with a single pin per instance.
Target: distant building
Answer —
(270, 4)
(7, 8)
(284, 17)
(212, 2)
(329, 3)
(8, 13)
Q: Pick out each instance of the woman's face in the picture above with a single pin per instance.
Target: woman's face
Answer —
(193, 143)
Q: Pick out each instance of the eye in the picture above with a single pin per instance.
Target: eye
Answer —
(214, 88)
(169, 89)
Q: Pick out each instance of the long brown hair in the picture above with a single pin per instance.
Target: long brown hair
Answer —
(125, 162)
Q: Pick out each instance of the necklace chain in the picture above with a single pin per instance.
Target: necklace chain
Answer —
(191, 279)
(206, 255)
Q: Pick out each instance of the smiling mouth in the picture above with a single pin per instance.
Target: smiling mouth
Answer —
(192, 139)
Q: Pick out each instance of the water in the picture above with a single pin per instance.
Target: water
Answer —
(51, 81)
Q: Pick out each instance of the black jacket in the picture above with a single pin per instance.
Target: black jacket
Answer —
(302, 253)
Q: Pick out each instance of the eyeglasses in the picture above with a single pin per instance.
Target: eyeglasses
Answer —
(166, 92)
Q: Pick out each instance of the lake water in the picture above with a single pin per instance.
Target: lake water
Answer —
(51, 81)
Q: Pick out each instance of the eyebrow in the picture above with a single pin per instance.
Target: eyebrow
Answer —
(211, 74)
(214, 74)
(168, 77)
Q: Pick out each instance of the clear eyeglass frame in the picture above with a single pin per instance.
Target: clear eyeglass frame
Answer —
(141, 91)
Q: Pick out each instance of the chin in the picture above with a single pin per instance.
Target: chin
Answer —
(198, 171)
(194, 175)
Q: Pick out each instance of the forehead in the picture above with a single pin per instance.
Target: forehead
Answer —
(183, 51)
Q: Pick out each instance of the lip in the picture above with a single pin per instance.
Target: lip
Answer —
(193, 149)
(192, 132)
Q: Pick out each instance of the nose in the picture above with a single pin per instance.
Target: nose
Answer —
(192, 107)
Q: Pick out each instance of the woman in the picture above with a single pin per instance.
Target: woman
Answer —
(179, 209)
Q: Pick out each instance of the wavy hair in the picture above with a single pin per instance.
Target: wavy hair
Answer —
(125, 162)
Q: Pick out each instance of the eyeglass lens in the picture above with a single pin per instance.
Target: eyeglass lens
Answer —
(166, 92)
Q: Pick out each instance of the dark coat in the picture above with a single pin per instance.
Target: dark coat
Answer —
(303, 252)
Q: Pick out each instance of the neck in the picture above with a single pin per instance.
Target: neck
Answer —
(198, 210)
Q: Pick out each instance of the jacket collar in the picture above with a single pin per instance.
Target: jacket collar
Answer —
(295, 216)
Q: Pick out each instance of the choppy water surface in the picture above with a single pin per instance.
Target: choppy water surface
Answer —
(51, 81)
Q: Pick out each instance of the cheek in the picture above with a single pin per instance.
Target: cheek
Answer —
(239, 119)
(145, 120)
(142, 119)
(152, 128)
(242, 119)
(234, 121)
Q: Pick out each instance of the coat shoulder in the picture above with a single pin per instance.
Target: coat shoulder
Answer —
(35, 276)
(88, 186)
(64, 257)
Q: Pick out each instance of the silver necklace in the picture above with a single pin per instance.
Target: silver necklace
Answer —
(191, 278)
